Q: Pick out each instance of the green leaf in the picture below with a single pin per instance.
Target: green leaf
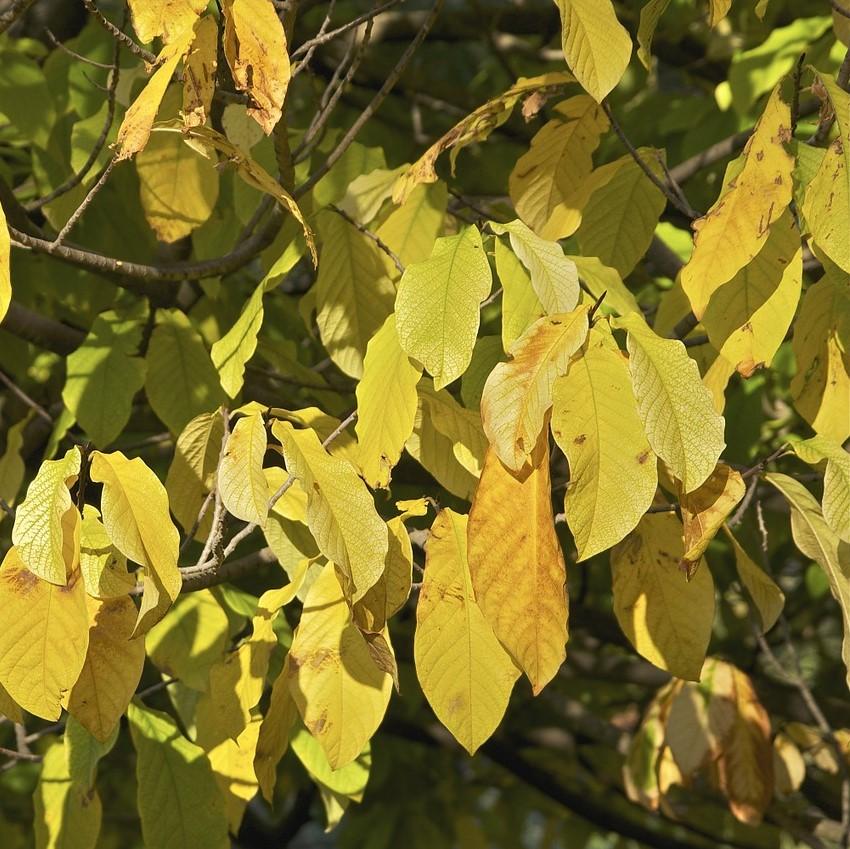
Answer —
(411, 230)
(179, 803)
(438, 303)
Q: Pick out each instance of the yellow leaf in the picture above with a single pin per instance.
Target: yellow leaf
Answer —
(836, 480)
(241, 481)
(518, 393)
(286, 529)
(232, 763)
(546, 177)
(365, 196)
(735, 229)
(340, 693)
(44, 639)
(386, 404)
(190, 638)
(178, 186)
(165, 18)
(667, 618)
(517, 566)
(520, 305)
(340, 511)
(5, 266)
(554, 277)
(37, 532)
(475, 127)
(706, 508)
(192, 471)
(596, 424)
(465, 673)
(135, 129)
(103, 567)
(840, 22)
(596, 45)
(747, 318)
(256, 50)
(650, 15)
(135, 515)
(602, 281)
(718, 9)
(274, 733)
(411, 230)
(789, 768)
(354, 295)
(179, 802)
(199, 72)
(817, 541)
(820, 387)
(676, 408)
(766, 596)
(438, 303)
(67, 815)
(112, 668)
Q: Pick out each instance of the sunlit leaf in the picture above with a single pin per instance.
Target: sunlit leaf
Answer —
(241, 482)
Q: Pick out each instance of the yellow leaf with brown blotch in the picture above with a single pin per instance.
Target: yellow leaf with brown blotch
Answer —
(465, 673)
(165, 18)
(339, 691)
(256, 50)
(518, 393)
(667, 618)
(705, 509)
(44, 637)
(517, 566)
(136, 517)
(112, 668)
(199, 73)
(734, 230)
(138, 120)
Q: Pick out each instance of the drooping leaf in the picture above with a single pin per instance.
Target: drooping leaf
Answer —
(553, 276)
(465, 673)
(386, 404)
(112, 668)
(596, 45)
(38, 529)
(736, 227)
(181, 382)
(5, 266)
(650, 15)
(339, 691)
(766, 596)
(232, 763)
(12, 467)
(273, 740)
(518, 393)
(179, 803)
(666, 617)
(836, 480)
(199, 72)
(135, 514)
(718, 9)
(677, 412)
(164, 18)
(438, 302)
(258, 56)
(104, 567)
(241, 482)
(44, 639)
(517, 566)
(596, 424)
(546, 177)
(340, 510)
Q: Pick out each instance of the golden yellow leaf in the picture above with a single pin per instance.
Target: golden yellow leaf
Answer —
(678, 414)
(546, 177)
(736, 227)
(340, 511)
(37, 532)
(241, 482)
(135, 515)
(596, 424)
(475, 127)
(518, 393)
(718, 9)
(232, 763)
(465, 673)
(274, 733)
(386, 404)
(256, 50)
(135, 129)
(705, 509)
(5, 266)
(766, 596)
(596, 45)
(199, 72)
(517, 566)
(667, 618)
(165, 18)
(747, 318)
(44, 638)
(339, 691)
(112, 668)
(789, 768)
(103, 567)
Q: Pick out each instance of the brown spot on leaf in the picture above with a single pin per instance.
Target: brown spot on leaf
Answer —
(643, 456)
(580, 439)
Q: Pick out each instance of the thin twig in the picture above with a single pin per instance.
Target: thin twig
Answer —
(314, 43)
(7, 508)
(190, 534)
(33, 405)
(738, 516)
(762, 464)
(90, 196)
(839, 8)
(78, 56)
(19, 756)
(370, 235)
(116, 33)
(155, 688)
(218, 511)
(15, 11)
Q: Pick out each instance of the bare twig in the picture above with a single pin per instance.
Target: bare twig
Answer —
(15, 11)
(314, 42)
(190, 534)
(19, 756)
(116, 33)
(7, 508)
(214, 536)
(370, 235)
(758, 468)
(86, 202)
(78, 56)
(19, 393)
(738, 516)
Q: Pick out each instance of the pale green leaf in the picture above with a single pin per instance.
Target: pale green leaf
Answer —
(520, 305)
